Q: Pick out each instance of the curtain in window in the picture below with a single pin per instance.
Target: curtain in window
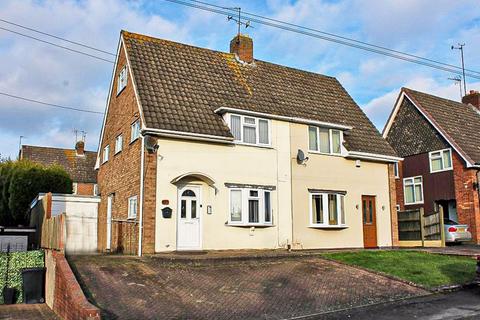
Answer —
(332, 209)
(324, 141)
(268, 210)
(249, 135)
(312, 139)
(342, 208)
(236, 127)
(263, 131)
(317, 208)
(236, 205)
(253, 211)
(336, 148)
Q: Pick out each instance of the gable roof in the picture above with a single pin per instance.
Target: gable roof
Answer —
(180, 87)
(457, 122)
(80, 168)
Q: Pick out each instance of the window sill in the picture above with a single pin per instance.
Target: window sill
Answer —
(328, 227)
(253, 145)
(121, 90)
(117, 152)
(443, 170)
(132, 141)
(326, 154)
(413, 203)
(249, 225)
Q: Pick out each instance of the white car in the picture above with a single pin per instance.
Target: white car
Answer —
(455, 232)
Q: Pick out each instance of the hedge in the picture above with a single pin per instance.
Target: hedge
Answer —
(17, 262)
(21, 181)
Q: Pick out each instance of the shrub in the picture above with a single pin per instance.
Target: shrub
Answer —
(20, 183)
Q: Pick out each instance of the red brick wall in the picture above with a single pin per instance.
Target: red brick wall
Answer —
(69, 301)
(468, 203)
(393, 203)
(85, 188)
(120, 175)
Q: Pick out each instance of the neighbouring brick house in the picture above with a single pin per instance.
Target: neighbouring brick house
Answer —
(439, 140)
(202, 149)
(78, 163)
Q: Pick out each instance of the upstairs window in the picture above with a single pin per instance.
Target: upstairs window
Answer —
(250, 207)
(122, 79)
(413, 190)
(118, 144)
(327, 210)
(250, 130)
(440, 160)
(135, 131)
(106, 153)
(327, 141)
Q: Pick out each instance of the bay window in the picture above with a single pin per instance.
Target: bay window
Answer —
(250, 130)
(250, 207)
(323, 140)
(327, 209)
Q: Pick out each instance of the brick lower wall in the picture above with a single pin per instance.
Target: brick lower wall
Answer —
(393, 202)
(468, 202)
(64, 295)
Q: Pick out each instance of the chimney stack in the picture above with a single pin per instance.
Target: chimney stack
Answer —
(242, 46)
(80, 148)
(473, 98)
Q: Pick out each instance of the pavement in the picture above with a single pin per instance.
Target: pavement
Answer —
(26, 311)
(153, 288)
(464, 304)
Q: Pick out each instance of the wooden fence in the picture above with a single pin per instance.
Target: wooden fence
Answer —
(415, 228)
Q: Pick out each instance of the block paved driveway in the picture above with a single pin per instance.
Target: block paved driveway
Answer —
(151, 288)
(26, 312)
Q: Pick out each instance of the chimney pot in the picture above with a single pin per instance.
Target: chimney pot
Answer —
(242, 46)
(80, 148)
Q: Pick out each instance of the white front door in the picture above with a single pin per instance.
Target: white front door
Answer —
(189, 235)
(109, 221)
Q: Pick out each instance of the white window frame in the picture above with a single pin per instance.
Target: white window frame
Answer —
(396, 171)
(122, 79)
(257, 129)
(106, 153)
(95, 189)
(326, 209)
(74, 188)
(130, 214)
(118, 143)
(430, 158)
(135, 130)
(245, 192)
(330, 139)
(412, 183)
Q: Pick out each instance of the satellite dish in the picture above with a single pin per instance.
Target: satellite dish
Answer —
(151, 144)
(301, 157)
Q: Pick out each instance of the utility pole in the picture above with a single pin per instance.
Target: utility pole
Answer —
(20, 145)
(460, 47)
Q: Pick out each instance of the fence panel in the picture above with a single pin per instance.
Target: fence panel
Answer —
(409, 225)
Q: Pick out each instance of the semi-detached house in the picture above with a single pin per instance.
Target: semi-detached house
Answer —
(207, 150)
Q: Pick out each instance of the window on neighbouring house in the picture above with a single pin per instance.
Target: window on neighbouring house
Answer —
(440, 160)
(122, 79)
(395, 170)
(95, 190)
(118, 144)
(250, 207)
(75, 188)
(250, 130)
(106, 153)
(135, 131)
(327, 209)
(328, 141)
(132, 207)
(413, 190)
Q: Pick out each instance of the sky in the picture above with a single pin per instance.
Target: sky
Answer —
(43, 72)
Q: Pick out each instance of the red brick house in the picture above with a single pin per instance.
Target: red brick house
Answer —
(78, 163)
(439, 140)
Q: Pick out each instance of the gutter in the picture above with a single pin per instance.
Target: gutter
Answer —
(187, 135)
(372, 156)
(140, 225)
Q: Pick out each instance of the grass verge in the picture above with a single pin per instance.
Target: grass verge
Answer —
(426, 269)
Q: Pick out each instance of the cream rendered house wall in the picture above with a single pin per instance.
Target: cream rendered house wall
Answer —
(225, 164)
(337, 173)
